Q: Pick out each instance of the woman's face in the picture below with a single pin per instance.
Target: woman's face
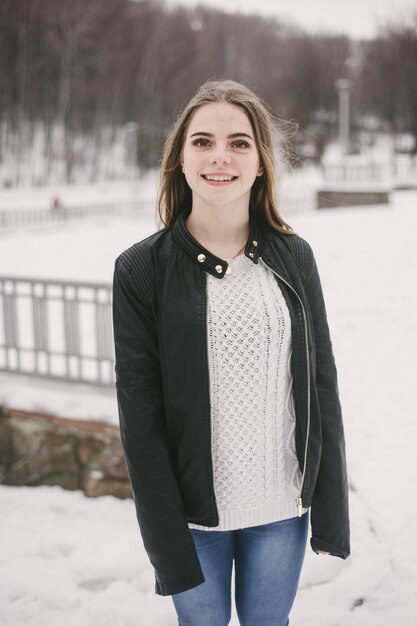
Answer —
(220, 158)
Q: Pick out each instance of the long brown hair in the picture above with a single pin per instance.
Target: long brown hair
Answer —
(174, 193)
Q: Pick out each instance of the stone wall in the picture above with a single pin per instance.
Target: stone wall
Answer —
(39, 449)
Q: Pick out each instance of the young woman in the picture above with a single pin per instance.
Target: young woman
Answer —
(226, 382)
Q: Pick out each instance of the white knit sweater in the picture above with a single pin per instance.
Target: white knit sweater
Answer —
(256, 472)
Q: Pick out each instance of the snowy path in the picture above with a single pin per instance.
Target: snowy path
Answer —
(69, 560)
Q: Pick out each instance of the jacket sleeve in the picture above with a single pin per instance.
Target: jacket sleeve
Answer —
(159, 510)
(330, 507)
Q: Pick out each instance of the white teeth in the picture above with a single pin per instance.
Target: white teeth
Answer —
(219, 178)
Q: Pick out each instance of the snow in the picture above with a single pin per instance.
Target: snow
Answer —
(80, 250)
(69, 400)
(72, 560)
(81, 194)
(76, 250)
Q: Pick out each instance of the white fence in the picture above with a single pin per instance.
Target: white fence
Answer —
(351, 173)
(17, 218)
(400, 170)
(56, 329)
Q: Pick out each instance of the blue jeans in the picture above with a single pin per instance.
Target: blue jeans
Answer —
(268, 561)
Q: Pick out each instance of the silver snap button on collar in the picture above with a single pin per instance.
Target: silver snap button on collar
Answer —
(201, 258)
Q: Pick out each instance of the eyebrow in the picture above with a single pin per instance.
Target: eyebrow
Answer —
(228, 136)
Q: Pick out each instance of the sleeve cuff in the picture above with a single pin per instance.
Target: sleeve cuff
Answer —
(320, 544)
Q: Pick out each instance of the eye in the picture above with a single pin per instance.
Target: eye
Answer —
(240, 143)
(200, 143)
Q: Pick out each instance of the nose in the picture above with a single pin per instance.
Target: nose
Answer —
(219, 155)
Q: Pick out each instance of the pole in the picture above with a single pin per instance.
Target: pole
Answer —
(344, 86)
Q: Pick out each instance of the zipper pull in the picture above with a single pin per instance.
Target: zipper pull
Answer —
(299, 505)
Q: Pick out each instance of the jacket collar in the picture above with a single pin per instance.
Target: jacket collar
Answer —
(204, 258)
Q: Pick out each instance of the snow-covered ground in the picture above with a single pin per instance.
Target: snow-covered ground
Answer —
(81, 194)
(71, 560)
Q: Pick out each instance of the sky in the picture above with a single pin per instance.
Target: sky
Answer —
(358, 18)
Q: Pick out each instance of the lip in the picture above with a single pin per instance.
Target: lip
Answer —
(219, 183)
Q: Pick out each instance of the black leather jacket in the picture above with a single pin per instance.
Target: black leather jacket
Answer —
(162, 383)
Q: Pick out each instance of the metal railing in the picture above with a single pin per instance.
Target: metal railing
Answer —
(399, 170)
(17, 218)
(349, 172)
(57, 329)
(62, 330)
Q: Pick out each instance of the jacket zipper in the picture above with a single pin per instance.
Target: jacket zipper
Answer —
(210, 417)
(298, 500)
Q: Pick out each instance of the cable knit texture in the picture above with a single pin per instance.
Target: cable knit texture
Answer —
(256, 472)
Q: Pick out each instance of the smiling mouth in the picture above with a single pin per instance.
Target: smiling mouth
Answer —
(216, 179)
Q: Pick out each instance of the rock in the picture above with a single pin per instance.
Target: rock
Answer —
(41, 449)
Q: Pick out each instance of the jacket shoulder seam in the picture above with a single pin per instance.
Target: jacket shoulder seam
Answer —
(140, 269)
(302, 253)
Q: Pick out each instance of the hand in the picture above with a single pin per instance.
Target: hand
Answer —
(323, 552)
